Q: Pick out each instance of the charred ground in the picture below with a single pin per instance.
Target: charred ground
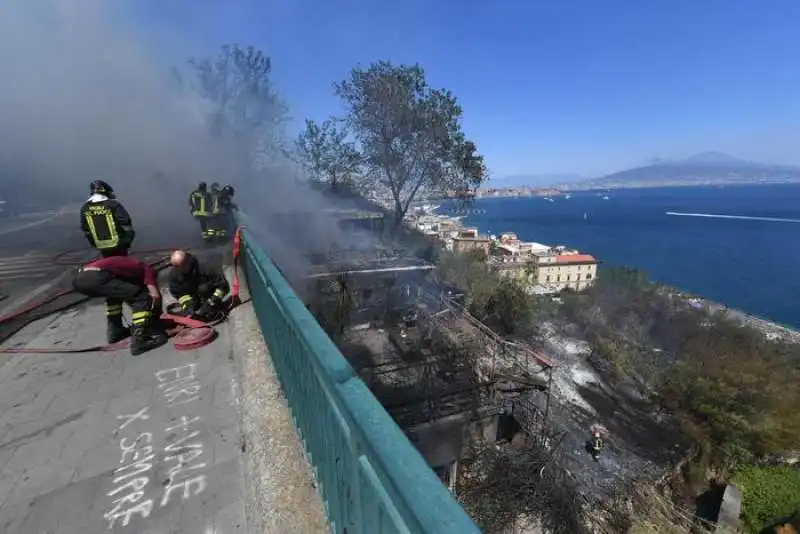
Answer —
(506, 426)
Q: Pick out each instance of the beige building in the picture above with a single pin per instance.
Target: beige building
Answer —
(564, 270)
(547, 271)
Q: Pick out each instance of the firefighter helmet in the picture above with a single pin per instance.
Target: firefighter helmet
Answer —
(201, 186)
(215, 186)
(99, 187)
(228, 189)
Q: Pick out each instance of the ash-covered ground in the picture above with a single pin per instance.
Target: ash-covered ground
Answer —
(643, 443)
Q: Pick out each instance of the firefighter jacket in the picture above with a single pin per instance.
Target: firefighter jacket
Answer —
(106, 223)
(216, 202)
(200, 203)
(226, 204)
(193, 283)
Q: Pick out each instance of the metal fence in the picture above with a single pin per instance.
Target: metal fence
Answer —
(372, 479)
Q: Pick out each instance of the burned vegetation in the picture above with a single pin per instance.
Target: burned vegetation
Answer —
(475, 405)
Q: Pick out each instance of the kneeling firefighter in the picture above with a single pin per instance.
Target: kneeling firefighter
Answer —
(129, 280)
(199, 289)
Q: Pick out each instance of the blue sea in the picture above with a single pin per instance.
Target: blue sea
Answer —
(751, 263)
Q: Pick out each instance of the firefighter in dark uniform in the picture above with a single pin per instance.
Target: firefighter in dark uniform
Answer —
(105, 222)
(216, 224)
(200, 204)
(227, 208)
(129, 280)
(108, 228)
(597, 444)
(200, 289)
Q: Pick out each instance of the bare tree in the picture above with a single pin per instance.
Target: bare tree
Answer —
(409, 134)
(326, 153)
(245, 108)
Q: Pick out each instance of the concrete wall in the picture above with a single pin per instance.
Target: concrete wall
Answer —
(445, 440)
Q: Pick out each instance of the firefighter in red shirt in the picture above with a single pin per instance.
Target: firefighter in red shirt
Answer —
(134, 282)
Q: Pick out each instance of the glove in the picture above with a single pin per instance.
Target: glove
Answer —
(205, 311)
(186, 311)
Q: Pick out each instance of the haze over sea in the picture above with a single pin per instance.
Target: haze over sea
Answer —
(749, 264)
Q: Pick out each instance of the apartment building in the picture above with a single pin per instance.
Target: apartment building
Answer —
(468, 239)
(561, 268)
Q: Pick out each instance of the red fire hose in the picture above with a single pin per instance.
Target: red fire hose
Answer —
(186, 333)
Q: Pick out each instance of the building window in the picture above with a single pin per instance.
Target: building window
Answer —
(558, 278)
(588, 276)
(548, 278)
(568, 277)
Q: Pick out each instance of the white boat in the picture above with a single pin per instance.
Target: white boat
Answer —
(605, 197)
(567, 196)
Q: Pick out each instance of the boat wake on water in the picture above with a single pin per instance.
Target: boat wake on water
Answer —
(740, 217)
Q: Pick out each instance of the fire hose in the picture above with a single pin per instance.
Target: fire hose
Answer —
(186, 333)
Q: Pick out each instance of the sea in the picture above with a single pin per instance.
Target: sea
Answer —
(737, 245)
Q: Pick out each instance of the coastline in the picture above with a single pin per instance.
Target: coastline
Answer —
(771, 329)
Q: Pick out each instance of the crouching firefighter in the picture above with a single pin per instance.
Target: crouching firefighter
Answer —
(128, 280)
(200, 205)
(105, 222)
(199, 289)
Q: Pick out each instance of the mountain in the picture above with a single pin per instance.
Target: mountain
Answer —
(705, 168)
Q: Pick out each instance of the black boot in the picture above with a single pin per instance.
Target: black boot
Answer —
(147, 338)
(115, 330)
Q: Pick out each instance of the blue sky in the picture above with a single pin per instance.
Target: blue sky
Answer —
(555, 86)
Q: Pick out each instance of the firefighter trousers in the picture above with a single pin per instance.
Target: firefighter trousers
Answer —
(113, 305)
(218, 225)
(205, 228)
(95, 282)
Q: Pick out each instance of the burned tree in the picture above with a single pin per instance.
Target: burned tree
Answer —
(409, 134)
(245, 108)
(514, 488)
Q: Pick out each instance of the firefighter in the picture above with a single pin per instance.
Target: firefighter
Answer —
(199, 203)
(134, 282)
(217, 221)
(199, 289)
(597, 444)
(108, 228)
(227, 208)
(105, 222)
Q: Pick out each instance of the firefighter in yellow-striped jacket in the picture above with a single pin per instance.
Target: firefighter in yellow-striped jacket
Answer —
(200, 204)
(109, 230)
(200, 289)
(105, 222)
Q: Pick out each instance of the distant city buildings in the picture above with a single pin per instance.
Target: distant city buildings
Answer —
(543, 269)
(520, 191)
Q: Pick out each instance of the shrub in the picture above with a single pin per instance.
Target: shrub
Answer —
(769, 494)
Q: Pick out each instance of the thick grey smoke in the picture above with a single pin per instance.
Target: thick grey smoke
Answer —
(83, 98)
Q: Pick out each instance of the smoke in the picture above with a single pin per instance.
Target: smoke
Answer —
(81, 100)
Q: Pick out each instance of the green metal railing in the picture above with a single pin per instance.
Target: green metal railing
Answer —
(372, 479)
